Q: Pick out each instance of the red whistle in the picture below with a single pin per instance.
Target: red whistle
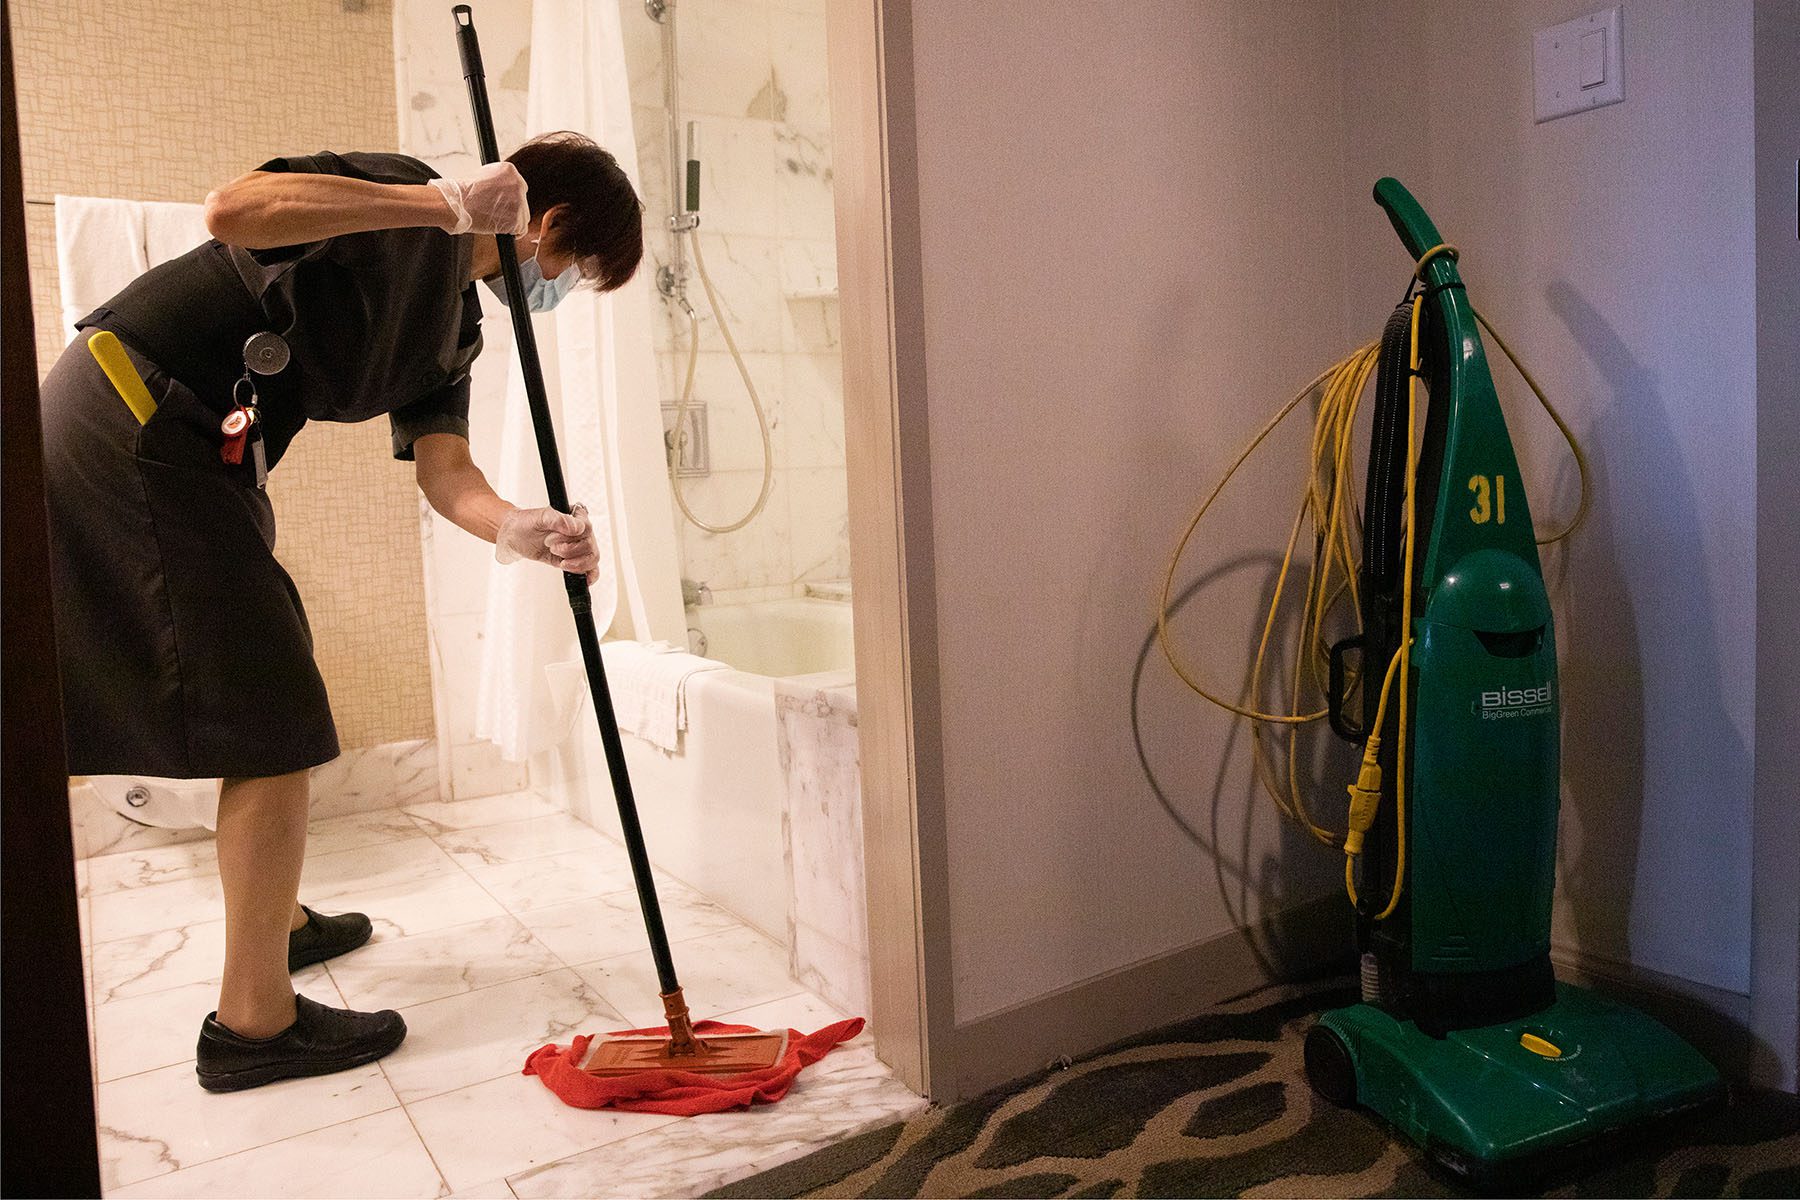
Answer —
(236, 428)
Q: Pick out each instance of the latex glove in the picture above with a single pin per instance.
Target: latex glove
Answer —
(492, 200)
(562, 540)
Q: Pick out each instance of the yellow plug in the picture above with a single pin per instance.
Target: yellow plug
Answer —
(1365, 796)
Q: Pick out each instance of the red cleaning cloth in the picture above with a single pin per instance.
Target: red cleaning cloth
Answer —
(682, 1093)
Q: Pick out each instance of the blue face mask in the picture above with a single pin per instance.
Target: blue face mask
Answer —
(541, 295)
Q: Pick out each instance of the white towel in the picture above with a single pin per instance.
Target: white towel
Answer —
(172, 229)
(103, 244)
(99, 249)
(648, 682)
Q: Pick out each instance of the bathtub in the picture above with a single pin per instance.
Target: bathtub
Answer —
(713, 813)
(775, 638)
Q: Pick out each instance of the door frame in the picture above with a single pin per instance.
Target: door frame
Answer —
(881, 301)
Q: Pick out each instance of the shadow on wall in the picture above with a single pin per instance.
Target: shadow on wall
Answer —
(1613, 740)
(1253, 896)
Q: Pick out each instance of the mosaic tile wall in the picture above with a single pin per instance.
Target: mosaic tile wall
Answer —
(162, 102)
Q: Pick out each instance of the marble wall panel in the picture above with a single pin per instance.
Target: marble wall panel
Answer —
(828, 921)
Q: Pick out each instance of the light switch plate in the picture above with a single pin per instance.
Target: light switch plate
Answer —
(1558, 65)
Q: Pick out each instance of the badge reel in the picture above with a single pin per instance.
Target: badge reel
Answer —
(264, 354)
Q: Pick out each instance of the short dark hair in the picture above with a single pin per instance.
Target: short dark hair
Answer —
(606, 219)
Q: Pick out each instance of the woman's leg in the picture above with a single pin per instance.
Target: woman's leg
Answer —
(262, 842)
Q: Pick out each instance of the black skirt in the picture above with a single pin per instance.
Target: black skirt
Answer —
(184, 650)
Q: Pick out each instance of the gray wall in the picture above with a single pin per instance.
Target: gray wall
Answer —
(1130, 251)
(1775, 953)
(1140, 235)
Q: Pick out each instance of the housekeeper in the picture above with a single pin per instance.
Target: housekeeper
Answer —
(184, 649)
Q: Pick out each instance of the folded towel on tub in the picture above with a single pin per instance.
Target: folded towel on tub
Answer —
(648, 681)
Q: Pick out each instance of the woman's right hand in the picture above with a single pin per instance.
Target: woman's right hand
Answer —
(492, 200)
(561, 540)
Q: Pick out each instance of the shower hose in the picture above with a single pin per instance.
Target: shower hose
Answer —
(679, 440)
(1329, 512)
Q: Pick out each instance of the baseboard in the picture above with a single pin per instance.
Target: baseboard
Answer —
(390, 775)
(1302, 941)
(1715, 1021)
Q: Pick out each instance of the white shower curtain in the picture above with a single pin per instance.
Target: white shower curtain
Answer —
(600, 372)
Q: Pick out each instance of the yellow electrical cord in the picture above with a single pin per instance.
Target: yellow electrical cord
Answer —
(1328, 501)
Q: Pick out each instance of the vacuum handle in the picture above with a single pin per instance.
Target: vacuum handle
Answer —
(1417, 232)
(1334, 698)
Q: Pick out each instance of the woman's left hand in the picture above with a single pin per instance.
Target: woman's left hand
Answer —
(562, 540)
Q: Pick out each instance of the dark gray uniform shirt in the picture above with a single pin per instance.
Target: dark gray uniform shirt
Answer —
(384, 322)
(183, 643)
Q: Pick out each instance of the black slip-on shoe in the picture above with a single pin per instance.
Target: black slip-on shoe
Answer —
(326, 937)
(320, 1041)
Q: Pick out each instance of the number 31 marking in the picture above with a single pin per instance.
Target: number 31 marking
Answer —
(1489, 503)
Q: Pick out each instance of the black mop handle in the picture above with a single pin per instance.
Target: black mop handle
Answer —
(579, 601)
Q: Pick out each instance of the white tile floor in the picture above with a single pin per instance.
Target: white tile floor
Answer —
(500, 924)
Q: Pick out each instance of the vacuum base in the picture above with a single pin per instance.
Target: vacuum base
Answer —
(1501, 1104)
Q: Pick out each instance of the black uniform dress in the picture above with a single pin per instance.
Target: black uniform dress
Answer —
(183, 645)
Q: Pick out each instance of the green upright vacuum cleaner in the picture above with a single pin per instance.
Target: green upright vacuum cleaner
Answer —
(1464, 1040)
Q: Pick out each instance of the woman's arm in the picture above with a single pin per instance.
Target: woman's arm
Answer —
(285, 208)
(456, 488)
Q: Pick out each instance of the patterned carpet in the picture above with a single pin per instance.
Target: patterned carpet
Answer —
(1219, 1106)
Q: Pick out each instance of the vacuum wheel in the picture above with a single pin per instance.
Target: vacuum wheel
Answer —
(1329, 1068)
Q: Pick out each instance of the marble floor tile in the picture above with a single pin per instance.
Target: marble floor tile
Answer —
(153, 962)
(845, 1093)
(557, 879)
(371, 1157)
(519, 841)
(159, 1030)
(802, 1010)
(372, 868)
(199, 860)
(507, 1126)
(154, 864)
(720, 972)
(429, 966)
(481, 1035)
(409, 909)
(442, 816)
(156, 906)
(330, 835)
(493, 1189)
(161, 1121)
(604, 926)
